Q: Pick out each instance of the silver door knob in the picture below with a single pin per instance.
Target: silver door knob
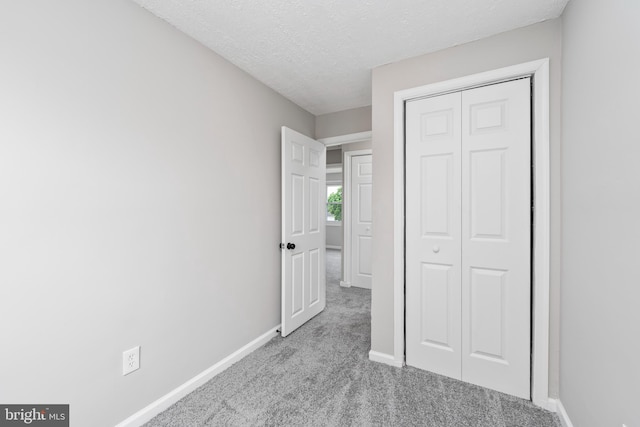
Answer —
(436, 249)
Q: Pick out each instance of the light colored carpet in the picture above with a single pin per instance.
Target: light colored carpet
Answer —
(320, 375)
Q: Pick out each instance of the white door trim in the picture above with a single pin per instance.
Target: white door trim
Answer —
(346, 139)
(346, 213)
(539, 71)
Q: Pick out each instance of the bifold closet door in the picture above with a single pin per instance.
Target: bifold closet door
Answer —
(468, 216)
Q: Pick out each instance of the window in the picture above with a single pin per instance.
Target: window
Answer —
(334, 203)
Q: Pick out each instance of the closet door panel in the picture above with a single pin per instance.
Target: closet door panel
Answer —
(433, 332)
(496, 236)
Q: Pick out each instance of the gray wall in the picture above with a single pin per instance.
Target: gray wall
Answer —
(334, 235)
(334, 177)
(343, 122)
(513, 47)
(599, 373)
(334, 156)
(125, 150)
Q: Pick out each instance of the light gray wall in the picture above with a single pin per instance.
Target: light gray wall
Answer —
(599, 370)
(126, 148)
(334, 177)
(334, 235)
(513, 47)
(343, 122)
(334, 156)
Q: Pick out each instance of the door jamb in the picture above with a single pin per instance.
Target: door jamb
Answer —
(346, 213)
(539, 72)
(346, 139)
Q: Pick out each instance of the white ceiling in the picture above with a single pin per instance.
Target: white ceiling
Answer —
(319, 53)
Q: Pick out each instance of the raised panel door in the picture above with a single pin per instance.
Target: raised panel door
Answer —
(361, 220)
(433, 248)
(468, 235)
(303, 228)
(496, 237)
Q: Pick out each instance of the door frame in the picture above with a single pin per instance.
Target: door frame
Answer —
(539, 72)
(346, 139)
(347, 250)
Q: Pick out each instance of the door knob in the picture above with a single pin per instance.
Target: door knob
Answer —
(436, 249)
(291, 246)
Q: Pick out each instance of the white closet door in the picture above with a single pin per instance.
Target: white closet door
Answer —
(433, 236)
(468, 235)
(361, 224)
(496, 236)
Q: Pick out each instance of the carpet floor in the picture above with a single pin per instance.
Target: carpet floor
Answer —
(321, 376)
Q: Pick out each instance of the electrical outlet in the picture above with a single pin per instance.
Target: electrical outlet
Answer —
(131, 360)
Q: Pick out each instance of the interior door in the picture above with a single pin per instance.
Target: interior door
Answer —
(468, 235)
(303, 229)
(433, 242)
(361, 220)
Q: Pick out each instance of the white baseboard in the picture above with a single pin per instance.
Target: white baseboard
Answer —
(549, 404)
(361, 287)
(345, 284)
(562, 414)
(387, 359)
(147, 413)
(555, 405)
(334, 247)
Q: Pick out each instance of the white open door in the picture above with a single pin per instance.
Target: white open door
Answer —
(303, 229)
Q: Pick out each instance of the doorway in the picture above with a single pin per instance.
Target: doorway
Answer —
(341, 152)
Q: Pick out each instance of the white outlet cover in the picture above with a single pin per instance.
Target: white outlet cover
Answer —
(131, 360)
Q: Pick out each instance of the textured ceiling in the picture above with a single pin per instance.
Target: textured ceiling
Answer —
(319, 53)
